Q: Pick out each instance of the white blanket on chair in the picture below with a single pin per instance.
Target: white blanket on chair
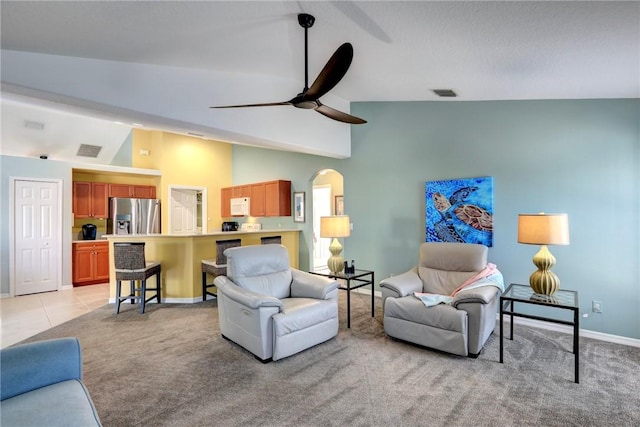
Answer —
(489, 276)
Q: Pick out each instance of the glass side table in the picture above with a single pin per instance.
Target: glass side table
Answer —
(360, 278)
(562, 299)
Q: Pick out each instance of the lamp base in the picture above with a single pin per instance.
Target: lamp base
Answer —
(336, 261)
(544, 281)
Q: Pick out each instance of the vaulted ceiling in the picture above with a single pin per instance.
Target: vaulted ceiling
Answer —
(403, 50)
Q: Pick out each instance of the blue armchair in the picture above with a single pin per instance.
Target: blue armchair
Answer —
(41, 384)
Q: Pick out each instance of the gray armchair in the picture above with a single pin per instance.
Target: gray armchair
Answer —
(271, 309)
(463, 324)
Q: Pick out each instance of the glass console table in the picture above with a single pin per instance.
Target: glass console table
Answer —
(360, 278)
(562, 299)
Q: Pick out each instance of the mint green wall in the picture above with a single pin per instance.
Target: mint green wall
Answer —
(257, 165)
(580, 157)
(124, 156)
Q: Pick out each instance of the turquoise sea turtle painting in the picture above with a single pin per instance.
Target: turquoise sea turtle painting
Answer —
(460, 210)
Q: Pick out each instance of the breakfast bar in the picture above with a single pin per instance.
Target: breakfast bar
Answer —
(181, 256)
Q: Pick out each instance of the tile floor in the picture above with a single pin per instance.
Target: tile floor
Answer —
(27, 315)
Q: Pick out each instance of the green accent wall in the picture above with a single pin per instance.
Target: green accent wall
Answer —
(124, 156)
(581, 157)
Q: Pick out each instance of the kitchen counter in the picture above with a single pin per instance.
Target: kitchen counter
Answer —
(270, 232)
(181, 256)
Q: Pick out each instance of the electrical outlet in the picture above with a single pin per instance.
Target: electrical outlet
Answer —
(596, 306)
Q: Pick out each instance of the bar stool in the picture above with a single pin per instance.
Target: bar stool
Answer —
(218, 266)
(131, 265)
(268, 240)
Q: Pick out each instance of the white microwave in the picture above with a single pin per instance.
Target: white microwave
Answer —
(240, 206)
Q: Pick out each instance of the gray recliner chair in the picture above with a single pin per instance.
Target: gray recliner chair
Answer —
(461, 326)
(271, 309)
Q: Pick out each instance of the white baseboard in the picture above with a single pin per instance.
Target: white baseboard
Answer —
(616, 339)
(566, 329)
(61, 288)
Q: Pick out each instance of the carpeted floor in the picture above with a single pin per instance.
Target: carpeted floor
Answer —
(171, 367)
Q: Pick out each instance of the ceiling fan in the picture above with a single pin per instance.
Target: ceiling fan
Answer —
(333, 71)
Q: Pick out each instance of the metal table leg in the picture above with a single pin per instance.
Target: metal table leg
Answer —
(373, 305)
(501, 329)
(348, 304)
(576, 340)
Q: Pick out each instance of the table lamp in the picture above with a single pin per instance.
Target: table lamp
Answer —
(543, 229)
(334, 227)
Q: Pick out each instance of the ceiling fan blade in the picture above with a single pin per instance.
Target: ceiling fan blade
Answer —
(333, 71)
(334, 114)
(268, 104)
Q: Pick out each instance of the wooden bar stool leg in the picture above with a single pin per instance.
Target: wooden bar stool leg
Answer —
(133, 291)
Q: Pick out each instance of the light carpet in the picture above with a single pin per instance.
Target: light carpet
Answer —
(171, 367)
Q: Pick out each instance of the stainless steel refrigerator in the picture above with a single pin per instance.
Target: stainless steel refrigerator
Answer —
(133, 216)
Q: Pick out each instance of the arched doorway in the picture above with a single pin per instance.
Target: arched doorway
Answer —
(328, 187)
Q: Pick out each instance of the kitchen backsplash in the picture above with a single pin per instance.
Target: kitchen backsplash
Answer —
(101, 225)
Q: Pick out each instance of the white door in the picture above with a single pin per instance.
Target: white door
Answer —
(37, 254)
(183, 211)
(321, 207)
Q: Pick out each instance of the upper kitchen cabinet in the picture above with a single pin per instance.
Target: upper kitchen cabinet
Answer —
(272, 198)
(90, 199)
(257, 200)
(241, 191)
(137, 191)
(277, 198)
(226, 194)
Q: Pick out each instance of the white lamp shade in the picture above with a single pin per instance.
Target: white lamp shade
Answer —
(335, 226)
(543, 229)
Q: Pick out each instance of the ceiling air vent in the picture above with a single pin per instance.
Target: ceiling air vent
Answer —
(30, 124)
(86, 150)
(445, 93)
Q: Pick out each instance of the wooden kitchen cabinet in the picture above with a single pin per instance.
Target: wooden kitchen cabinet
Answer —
(144, 191)
(90, 262)
(119, 190)
(228, 193)
(90, 200)
(271, 198)
(137, 191)
(256, 200)
(277, 198)
(241, 191)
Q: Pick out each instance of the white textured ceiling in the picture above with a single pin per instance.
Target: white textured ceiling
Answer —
(403, 50)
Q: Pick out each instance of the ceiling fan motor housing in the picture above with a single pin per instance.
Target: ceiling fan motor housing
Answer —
(305, 20)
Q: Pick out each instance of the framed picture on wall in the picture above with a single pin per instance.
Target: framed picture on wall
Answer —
(338, 206)
(298, 206)
(460, 210)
